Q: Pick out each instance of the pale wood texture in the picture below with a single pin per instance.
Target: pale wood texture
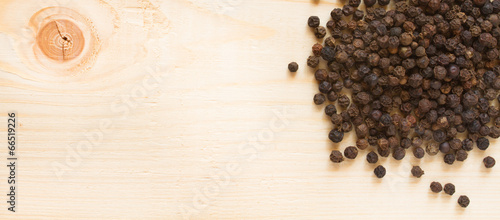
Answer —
(224, 82)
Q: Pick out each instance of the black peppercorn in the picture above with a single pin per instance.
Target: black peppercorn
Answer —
(293, 67)
(399, 153)
(416, 171)
(372, 157)
(463, 201)
(449, 159)
(336, 156)
(379, 171)
(419, 152)
(462, 155)
(313, 21)
(449, 189)
(489, 162)
(482, 143)
(319, 99)
(351, 152)
(436, 187)
(336, 136)
(369, 3)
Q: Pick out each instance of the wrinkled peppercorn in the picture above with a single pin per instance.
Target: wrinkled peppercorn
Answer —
(351, 152)
(489, 162)
(313, 21)
(482, 143)
(436, 187)
(399, 153)
(463, 201)
(449, 159)
(336, 156)
(319, 99)
(379, 171)
(416, 171)
(449, 189)
(336, 136)
(372, 157)
(419, 152)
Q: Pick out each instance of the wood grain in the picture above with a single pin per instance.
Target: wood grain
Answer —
(185, 109)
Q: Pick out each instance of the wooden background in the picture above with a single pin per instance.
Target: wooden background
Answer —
(188, 111)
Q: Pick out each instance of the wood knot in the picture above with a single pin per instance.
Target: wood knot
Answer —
(60, 40)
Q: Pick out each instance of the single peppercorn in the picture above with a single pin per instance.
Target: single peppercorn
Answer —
(293, 67)
(383, 2)
(336, 136)
(313, 21)
(419, 152)
(449, 159)
(336, 156)
(330, 110)
(372, 157)
(379, 171)
(461, 155)
(449, 189)
(362, 144)
(463, 201)
(482, 143)
(369, 3)
(399, 153)
(319, 99)
(436, 187)
(351, 152)
(489, 162)
(416, 171)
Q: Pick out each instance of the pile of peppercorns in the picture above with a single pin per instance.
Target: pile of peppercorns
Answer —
(421, 75)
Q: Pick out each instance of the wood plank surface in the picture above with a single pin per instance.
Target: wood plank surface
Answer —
(184, 109)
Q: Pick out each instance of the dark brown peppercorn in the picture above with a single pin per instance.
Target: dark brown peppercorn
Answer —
(436, 187)
(351, 152)
(449, 159)
(372, 157)
(354, 3)
(379, 171)
(313, 61)
(293, 67)
(336, 156)
(449, 189)
(330, 110)
(313, 21)
(482, 143)
(320, 32)
(489, 162)
(369, 3)
(399, 153)
(319, 99)
(419, 152)
(362, 144)
(416, 171)
(462, 155)
(463, 201)
(316, 49)
(336, 136)
(344, 101)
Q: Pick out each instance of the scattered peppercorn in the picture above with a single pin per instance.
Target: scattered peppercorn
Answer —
(419, 152)
(372, 157)
(449, 159)
(449, 189)
(351, 152)
(379, 171)
(313, 21)
(293, 67)
(336, 156)
(436, 187)
(416, 171)
(463, 201)
(319, 99)
(482, 143)
(489, 162)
